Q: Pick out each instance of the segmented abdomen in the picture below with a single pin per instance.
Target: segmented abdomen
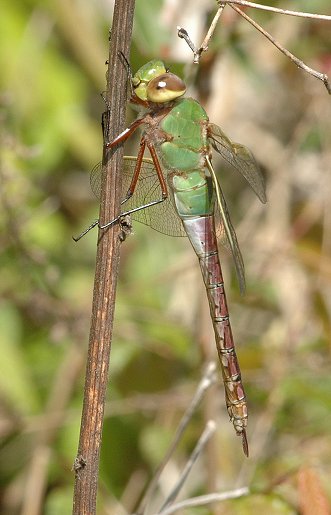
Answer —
(201, 232)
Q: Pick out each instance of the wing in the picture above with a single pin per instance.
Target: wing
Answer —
(226, 228)
(162, 217)
(240, 157)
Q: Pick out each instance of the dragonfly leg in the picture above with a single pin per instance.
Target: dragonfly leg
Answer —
(120, 139)
(93, 224)
(123, 136)
(159, 172)
(118, 218)
(135, 180)
(132, 189)
(136, 172)
(129, 212)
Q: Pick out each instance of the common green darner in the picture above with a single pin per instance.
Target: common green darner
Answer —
(177, 193)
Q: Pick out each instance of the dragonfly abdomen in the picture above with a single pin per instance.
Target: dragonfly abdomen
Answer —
(201, 232)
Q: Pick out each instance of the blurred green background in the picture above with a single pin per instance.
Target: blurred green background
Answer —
(52, 57)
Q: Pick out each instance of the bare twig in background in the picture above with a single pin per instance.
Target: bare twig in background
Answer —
(300, 14)
(182, 33)
(203, 500)
(204, 438)
(207, 380)
(87, 460)
(321, 76)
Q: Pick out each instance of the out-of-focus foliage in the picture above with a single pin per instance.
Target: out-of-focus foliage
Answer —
(52, 58)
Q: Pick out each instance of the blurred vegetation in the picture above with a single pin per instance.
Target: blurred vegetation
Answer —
(52, 71)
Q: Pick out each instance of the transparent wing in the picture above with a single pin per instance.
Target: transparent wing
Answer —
(225, 229)
(162, 217)
(240, 157)
(233, 243)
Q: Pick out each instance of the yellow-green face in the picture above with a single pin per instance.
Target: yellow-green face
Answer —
(153, 83)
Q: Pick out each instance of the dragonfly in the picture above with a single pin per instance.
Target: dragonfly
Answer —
(176, 191)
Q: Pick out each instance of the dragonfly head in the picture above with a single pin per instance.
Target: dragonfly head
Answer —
(154, 83)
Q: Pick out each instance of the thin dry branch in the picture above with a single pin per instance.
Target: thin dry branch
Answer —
(208, 379)
(182, 33)
(201, 444)
(318, 75)
(86, 464)
(277, 10)
(204, 500)
(197, 52)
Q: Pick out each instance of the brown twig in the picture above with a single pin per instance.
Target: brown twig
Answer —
(300, 14)
(182, 33)
(87, 460)
(204, 500)
(206, 382)
(201, 444)
(321, 76)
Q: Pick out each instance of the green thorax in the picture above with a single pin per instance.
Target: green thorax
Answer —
(186, 124)
(183, 157)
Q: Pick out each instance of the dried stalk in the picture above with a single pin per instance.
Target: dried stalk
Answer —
(86, 464)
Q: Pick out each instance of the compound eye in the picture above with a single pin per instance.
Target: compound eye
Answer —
(165, 87)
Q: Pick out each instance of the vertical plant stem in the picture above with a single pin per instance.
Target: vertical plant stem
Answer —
(86, 464)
